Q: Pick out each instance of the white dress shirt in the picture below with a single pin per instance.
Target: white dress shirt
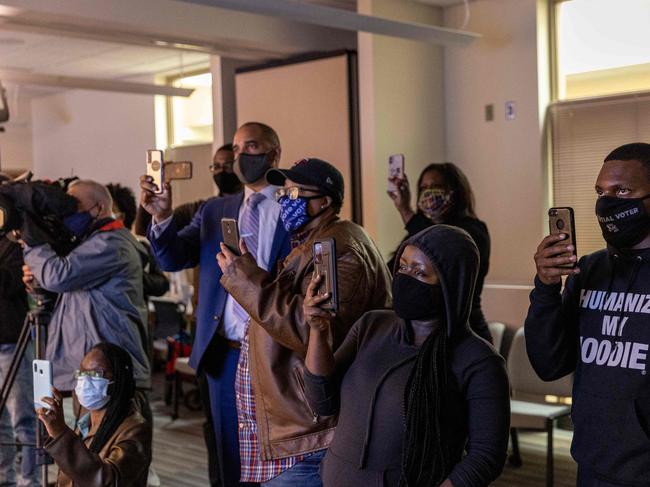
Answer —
(269, 212)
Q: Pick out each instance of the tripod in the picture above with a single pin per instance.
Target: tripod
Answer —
(35, 326)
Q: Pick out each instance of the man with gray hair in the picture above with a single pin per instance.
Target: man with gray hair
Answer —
(99, 285)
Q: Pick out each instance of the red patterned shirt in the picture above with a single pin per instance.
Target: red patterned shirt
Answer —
(253, 469)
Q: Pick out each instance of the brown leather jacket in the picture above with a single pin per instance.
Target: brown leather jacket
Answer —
(123, 461)
(278, 333)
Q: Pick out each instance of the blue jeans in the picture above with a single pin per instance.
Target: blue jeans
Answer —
(18, 421)
(304, 474)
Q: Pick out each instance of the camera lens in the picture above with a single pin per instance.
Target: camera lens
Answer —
(560, 224)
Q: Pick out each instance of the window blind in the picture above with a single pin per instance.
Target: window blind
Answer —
(583, 133)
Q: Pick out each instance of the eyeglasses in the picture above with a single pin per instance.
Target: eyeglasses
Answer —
(89, 373)
(294, 192)
(221, 167)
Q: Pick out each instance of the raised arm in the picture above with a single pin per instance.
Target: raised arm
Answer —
(552, 322)
(324, 370)
(174, 250)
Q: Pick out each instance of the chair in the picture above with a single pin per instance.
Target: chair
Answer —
(531, 414)
(192, 398)
(169, 317)
(170, 324)
(497, 330)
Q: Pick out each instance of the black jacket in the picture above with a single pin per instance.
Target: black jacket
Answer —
(599, 328)
(479, 232)
(372, 369)
(13, 298)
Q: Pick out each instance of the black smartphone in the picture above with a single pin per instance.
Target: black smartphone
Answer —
(230, 233)
(325, 265)
(178, 170)
(155, 168)
(561, 220)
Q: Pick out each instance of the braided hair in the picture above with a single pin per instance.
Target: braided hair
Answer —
(122, 391)
(424, 454)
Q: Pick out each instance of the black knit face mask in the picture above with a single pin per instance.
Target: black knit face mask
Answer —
(623, 221)
(417, 300)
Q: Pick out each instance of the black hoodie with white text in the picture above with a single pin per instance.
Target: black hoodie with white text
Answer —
(599, 328)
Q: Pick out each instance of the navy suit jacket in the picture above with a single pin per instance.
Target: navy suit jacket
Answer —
(198, 244)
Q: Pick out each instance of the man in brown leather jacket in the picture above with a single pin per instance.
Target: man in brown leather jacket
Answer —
(276, 341)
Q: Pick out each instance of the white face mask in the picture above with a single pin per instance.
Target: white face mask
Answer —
(92, 392)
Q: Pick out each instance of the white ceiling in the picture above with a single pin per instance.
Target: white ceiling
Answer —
(49, 54)
(47, 51)
(352, 4)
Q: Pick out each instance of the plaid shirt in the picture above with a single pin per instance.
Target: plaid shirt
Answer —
(253, 469)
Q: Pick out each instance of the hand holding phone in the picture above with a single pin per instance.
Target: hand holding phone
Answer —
(325, 266)
(230, 233)
(395, 171)
(156, 169)
(42, 370)
(556, 254)
(561, 220)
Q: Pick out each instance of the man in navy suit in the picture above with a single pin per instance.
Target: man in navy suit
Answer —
(221, 322)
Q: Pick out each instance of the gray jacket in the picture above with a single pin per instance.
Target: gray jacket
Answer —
(100, 299)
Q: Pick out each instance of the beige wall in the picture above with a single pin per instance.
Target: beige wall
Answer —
(308, 105)
(93, 134)
(502, 159)
(401, 111)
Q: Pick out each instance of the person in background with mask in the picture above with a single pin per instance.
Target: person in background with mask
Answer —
(421, 401)
(220, 322)
(445, 196)
(277, 427)
(223, 174)
(100, 289)
(598, 327)
(112, 442)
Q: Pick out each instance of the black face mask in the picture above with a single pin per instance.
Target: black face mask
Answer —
(417, 300)
(227, 182)
(623, 221)
(252, 167)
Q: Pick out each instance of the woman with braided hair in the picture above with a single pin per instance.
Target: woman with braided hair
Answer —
(112, 443)
(421, 400)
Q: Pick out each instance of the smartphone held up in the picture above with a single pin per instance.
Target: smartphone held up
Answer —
(561, 220)
(42, 371)
(325, 266)
(230, 233)
(162, 172)
(395, 170)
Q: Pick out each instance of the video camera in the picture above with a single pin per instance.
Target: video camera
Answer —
(36, 210)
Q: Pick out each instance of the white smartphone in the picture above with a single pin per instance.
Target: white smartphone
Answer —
(155, 168)
(395, 170)
(42, 382)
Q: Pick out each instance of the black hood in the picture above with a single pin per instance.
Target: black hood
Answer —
(455, 258)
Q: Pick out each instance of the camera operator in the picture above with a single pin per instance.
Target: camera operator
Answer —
(100, 289)
(18, 419)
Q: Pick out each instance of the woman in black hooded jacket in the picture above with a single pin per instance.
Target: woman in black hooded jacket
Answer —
(413, 388)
